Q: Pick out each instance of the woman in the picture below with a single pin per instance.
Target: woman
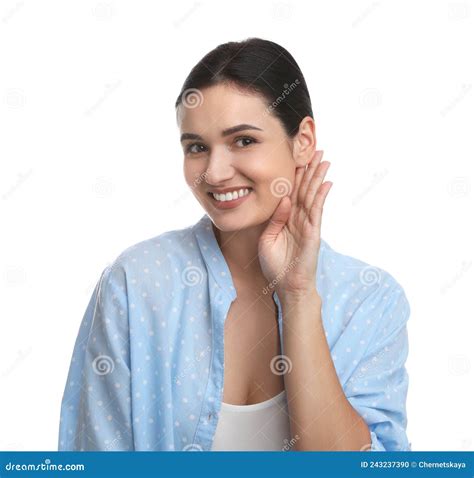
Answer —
(315, 341)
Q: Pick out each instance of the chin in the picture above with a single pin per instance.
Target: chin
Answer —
(226, 223)
(229, 224)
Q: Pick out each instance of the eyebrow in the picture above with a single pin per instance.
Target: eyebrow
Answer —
(225, 132)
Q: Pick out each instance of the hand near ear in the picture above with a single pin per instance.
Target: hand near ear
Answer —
(288, 248)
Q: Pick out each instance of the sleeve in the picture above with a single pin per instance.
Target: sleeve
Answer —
(379, 384)
(96, 405)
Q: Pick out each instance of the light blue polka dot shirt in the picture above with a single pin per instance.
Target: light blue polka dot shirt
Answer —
(147, 370)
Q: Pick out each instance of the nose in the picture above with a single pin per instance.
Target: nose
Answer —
(219, 166)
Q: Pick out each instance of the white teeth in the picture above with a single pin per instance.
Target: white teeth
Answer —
(230, 196)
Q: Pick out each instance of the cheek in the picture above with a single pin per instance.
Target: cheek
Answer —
(260, 167)
(192, 172)
(272, 175)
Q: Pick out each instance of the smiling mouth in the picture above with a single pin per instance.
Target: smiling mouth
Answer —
(230, 196)
(228, 202)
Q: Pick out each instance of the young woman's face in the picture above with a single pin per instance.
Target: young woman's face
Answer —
(231, 142)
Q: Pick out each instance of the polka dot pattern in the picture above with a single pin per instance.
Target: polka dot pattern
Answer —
(147, 368)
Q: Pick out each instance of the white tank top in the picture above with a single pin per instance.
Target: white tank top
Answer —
(261, 426)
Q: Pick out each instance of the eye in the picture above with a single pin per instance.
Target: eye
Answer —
(246, 139)
(189, 148)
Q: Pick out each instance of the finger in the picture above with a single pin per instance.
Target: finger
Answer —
(309, 169)
(298, 177)
(318, 179)
(316, 158)
(316, 212)
(278, 220)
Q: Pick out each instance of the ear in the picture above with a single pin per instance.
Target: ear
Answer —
(304, 142)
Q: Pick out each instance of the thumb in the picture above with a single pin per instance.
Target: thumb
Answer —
(278, 219)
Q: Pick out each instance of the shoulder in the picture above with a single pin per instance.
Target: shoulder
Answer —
(165, 248)
(153, 266)
(354, 290)
(357, 277)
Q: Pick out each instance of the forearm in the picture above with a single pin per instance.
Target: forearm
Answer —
(320, 413)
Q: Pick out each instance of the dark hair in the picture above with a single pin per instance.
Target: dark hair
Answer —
(258, 65)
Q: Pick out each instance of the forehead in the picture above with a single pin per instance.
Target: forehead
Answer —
(221, 106)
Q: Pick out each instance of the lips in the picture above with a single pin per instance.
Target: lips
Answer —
(231, 194)
(229, 204)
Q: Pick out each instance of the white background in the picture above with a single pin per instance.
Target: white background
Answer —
(91, 164)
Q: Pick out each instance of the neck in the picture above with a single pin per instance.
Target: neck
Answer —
(240, 250)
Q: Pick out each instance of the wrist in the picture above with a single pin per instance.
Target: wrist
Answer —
(295, 297)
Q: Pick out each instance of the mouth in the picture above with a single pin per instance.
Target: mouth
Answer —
(226, 203)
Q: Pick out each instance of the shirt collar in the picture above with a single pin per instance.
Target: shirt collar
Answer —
(213, 257)
(216, 262)
(218, 268)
